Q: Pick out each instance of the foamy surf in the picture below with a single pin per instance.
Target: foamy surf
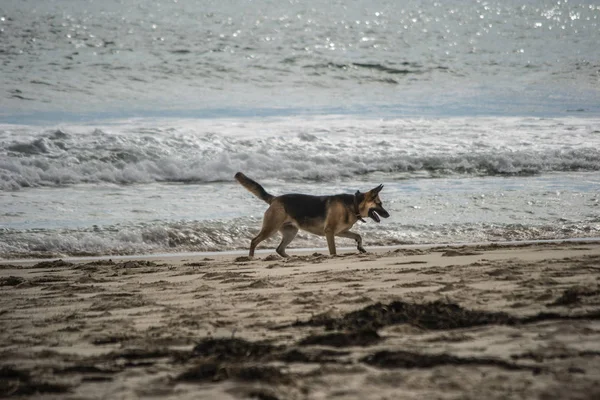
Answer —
(292, 149)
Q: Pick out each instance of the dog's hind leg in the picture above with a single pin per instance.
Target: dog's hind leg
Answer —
(355, 236)
(330, 240)
(288, 233)
(272, 221)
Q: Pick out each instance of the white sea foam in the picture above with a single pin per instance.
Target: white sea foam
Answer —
(198, 237)
(318, 149)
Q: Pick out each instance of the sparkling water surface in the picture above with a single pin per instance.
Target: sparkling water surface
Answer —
(67, 58)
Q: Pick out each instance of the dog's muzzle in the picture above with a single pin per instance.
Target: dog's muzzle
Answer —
(375, 212)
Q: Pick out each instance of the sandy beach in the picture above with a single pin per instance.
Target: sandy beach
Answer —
(469, 322)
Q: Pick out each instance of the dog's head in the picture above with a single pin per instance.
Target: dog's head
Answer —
(372, 205)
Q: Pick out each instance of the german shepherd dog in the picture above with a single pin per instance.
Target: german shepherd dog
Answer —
(327, 216)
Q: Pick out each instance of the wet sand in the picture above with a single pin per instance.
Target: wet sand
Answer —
(462, 322)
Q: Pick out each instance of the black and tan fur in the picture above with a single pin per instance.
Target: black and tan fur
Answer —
(327, 216)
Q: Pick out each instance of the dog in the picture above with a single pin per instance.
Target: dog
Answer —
(327, 216)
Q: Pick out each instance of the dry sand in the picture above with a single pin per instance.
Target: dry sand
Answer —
(471, 322)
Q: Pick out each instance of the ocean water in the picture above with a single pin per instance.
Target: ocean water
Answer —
(122, 123)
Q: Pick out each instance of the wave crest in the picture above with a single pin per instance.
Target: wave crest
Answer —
(319, 150)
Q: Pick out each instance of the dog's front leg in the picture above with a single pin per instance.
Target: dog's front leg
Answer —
(356, 237)
(330, 235)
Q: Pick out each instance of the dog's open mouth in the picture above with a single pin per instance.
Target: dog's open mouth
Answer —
(375, 212)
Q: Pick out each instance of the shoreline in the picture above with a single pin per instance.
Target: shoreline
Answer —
(293, 251)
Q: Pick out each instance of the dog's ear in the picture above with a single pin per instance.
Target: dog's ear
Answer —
(377, 190)
(371, 194)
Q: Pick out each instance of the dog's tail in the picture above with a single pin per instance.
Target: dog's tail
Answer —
(254, 188)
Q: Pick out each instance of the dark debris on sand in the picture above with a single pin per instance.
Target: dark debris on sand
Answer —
(545, 355)
(233, 349)
(364, 337)
(218, 359)
(236, 350)
(409, 360)
(53, 264)
(16, 382)
(221, 359)
(435, 315)
(261, 394)
(11, 281)
(318, 356)
(573, 295)
(214, 371)
(460, 253)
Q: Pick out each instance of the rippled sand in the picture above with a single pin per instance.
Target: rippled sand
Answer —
(446, 322)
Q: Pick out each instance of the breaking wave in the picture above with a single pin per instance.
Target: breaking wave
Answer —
(319, 150)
